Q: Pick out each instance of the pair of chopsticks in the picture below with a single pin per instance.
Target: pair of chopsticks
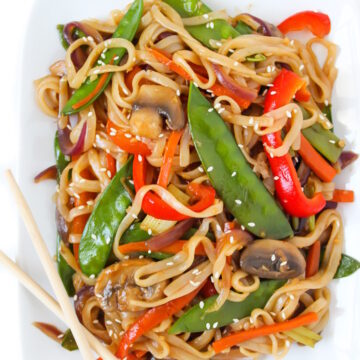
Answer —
(64, 309)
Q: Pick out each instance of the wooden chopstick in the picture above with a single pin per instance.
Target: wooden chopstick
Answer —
(51, 303)
(48, 265)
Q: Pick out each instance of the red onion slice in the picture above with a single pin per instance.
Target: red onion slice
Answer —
(80, 299)
(49, 173)
(226, 81)
(347, 158)
(62, 227)
(66, 146)
(166, 238)
(266, 28)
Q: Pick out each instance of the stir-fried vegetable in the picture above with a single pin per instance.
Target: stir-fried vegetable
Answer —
(243, 29)
(304, 336)
(318, 23)
(287, 185)
(245, 335)
(243, 194)
(313, 259)
(68, 341)
(61, 160)
(347, 266)
(126, 29)
(198, 319)
(100, 230)
(343, 196)
(151, 319)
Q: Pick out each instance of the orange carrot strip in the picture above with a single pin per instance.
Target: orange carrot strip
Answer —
(130, 76)
(343, 196)
(316, 162)
(168, 158)
(174, 248)
(111, 165)
(313, 259)
(245, 335)
(139, 353)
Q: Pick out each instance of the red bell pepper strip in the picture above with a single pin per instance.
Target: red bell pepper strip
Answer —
(209, 289)
(169, 154)
(316, 162)
(287, 185)
(217, 89)
(125, 141)
(111, 165)
(153, 205)
(151, 319)
(318, 23)
(313, 259)
(343, 196)
(129, 77)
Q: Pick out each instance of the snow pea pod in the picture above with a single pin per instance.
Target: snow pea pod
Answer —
(323, 140)
(243, 193)
(196, 318)
(126, 29)
(65, 271)
(347, 267)
(98, 236)
(220, 29)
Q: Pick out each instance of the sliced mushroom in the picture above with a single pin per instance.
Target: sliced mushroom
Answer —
(115, 287)
(272, 259)
(152, 104)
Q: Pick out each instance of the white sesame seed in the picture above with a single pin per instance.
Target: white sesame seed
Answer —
(111, 332)
(210, 169)
(292, 297)
(75, 297)
(205, 16)
(103, 169)
(215, 325)
(217, 106)
(251, 320)
(268, 69)
(81, 207)
(240, 146)
(200, 169)
(283, 263)
(109, 322)
(326, 102)
(140, 158)
(134, 216)
(271, 155)
(295, 111)
(292, 42)
(235, 320)
(217, 275)
(251, 224)
(96, 321)
(109, 173)
(211, 25)
(233, 174)
(196, 272)
(149, 231)
(69, 126)
(129, 136)
(301, 67)
(90, 113)
(273, 92)
(178, 92)
(276, 178)
(232, 239)
(208, 326)
(273, 257)
(195, 84)
(93, 236)
(238, 202)
(270, 85)
(141, 256)
(149, 251)
(201, 304)
(236, 63)
(221, 110)
(116, 58)
(332, 141)
(288, 114)
(108, 240)
(195, 283)
(287, 343)
(242, 227)
(92, 276)
(212, 279)
(283, 315)
(251, 121)
(118, 321)
(218, 227)
(170, 263)
(211, 110)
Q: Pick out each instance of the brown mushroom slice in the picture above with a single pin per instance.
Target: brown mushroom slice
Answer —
(116, 287)
(272, 259)
(159, 102)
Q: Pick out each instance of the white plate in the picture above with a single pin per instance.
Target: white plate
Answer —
(42, 48)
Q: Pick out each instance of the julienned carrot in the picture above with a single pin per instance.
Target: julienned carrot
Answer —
(98, 87)
(111, 165)
(169, 154)
(303, 95)
(316, 162)
(139, 353)
(129, 77)
(174, 248)
(313, 259)
(217, 89)
(343, 196)
(246, 335)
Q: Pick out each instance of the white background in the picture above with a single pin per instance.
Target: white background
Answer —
(13, 20)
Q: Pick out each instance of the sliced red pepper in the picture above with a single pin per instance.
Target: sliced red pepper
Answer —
(209, 289)
(318, 23)
(313, 259)
(303, 95)
(153, 205)
(151, 319)
(287, 185)
(111, 165)
(125, 141)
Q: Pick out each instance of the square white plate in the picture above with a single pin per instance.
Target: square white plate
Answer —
(42, 48)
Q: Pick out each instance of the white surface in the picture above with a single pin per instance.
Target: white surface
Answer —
(41, 48)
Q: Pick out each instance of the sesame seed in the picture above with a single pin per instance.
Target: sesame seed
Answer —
(231, 51)
(149, 251)
(268, 69)
(196, 272)
(201, 304)
(273, 257)
(211, 25)
(270, 85)
(233, 174)
(211, 110)
(194, 283)
(134, 216)
(178, 92)
(208, 326)
(276, 178)
(69, 127)
(210, 169)
(287, 343)
(326, 102)
(273, 92)
(90, 113)
(218, 43)
(332, 141)
(93, 236)
(236, 63)
(139, 158)
(288, 114)
(60, 336)
(221, 110)
(170, 263)
(242, 227)
(92, 276)
(217, 106)
(109, 322)
(292, 42)
(116, 58)
(218, 227)
(240, 146)
(129, 136)
(251, 224)
(118, 321)
(217, 275)
(235, 320)
(238, 201)
(271, 155)
(141, 256)
(283, 315)
(251, 121)
(200, 169)
(149, 231)
(96, 321)
(111, 332)
(295, 111)
(301, 67)
(96, 71)
(205, 16)
(127, 257)
(75, 297)
(196, 84)
(108, 240)
(212, 279)
(109, 173)
(161, 135)
(81, 207)
(283, 263)
(251, 320)
(292, 297)
(232, 239)
(215, 325)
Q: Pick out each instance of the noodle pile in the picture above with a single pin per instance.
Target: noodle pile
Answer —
(181, 273)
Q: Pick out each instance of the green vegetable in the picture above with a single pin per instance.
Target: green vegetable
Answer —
(347, 267)
(68, 342)
(323, 140)
(60, 29)
(304, 336)
(243, 29)
(98, 236)
(243, 194)
(61, 160)
(65, 271)
(328, 113)
(256, 58)
(311, 223)
(195, 319)
(126, 29)
(190, 8)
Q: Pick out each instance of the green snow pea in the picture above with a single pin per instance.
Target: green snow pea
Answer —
(243, 29)
(65, 271)
(347, 267)
(196, 318)
(60, 29)
(126, 29)
(98, 236)
(68, 341)
(323, 140)
(220, 29)
(242, 191)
